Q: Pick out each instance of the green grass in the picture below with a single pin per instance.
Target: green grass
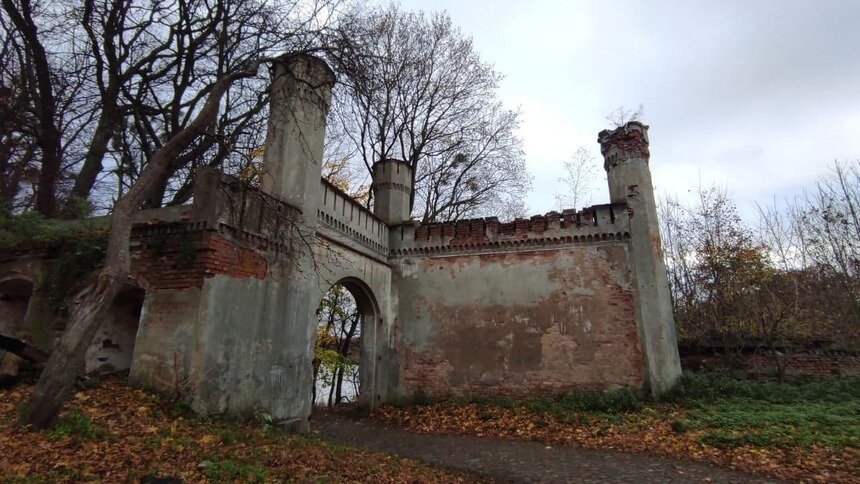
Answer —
(565, 404)
(77, 424)
(725, 411)
(732, 413)
(229, 471)
(703, 388)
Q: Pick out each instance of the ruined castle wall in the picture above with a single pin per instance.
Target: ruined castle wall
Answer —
(545, 304)
(172, 263)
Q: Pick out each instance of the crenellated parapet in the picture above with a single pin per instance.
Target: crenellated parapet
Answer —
(630, 140)
(595, 224)
(347, 221)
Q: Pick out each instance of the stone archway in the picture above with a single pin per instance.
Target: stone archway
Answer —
(360, 302)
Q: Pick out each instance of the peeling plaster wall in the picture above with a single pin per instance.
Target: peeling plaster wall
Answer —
(517, 322)
(252, 357)
(166, 339)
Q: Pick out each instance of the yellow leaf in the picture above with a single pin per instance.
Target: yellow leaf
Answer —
(207, 439)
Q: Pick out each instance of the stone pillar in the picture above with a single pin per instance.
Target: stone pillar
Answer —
(392, 190)
(299, 102)
(625, 152)
(255, 342)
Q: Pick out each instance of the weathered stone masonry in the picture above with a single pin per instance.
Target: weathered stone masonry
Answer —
(232, 281)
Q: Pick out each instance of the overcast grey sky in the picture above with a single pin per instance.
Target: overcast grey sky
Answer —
(755, 96)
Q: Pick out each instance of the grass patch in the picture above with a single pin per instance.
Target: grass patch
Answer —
(229, 471)
(77, 424)
(567, 404)
(732, 413)
(725, 412)
(703, 388)
(617, 401)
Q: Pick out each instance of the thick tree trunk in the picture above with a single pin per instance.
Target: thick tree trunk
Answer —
(86, 178)
(46, 109)
(66, 363)
(338, 394)
(58, 378)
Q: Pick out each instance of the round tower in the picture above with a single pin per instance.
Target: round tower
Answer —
(392, 190)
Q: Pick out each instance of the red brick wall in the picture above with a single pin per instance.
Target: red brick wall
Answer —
(805, 362)
(184, 260)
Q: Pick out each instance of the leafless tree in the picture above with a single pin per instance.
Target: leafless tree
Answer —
(621, 116)
(789, 279)
(580, 173)
(41, 80)
(416, 90)
(166, 77)
(123, 77)
(18, 130)
(49, 87)
(57, 379)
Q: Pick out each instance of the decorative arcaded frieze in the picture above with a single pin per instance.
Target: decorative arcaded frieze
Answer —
(347, 231)
(511, 245)
(391, 186)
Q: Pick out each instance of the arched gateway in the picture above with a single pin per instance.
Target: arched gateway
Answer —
(577, 299)
(366, 327)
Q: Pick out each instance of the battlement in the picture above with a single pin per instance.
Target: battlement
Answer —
(630, 140)
(350, 219)
(591, 225)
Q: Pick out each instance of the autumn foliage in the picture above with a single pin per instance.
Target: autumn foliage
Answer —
(808, 431)
(113, 433)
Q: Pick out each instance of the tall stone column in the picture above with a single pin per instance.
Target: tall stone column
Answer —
(626, 156)
(255, 337)
(299, 101)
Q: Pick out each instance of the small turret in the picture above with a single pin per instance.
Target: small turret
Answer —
(392, 190)
(625, 153)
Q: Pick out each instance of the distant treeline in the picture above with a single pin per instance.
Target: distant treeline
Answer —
(790, 277)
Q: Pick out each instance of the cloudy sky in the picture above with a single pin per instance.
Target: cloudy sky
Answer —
(758, 97)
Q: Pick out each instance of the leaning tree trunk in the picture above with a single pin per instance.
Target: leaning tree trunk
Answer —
(57, 381)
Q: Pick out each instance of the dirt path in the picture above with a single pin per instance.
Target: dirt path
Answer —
(517, 461)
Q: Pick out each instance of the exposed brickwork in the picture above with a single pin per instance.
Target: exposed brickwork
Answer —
(185, 260)
(222, 256)
(629, 141)
(805, 362)
(577, 331)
